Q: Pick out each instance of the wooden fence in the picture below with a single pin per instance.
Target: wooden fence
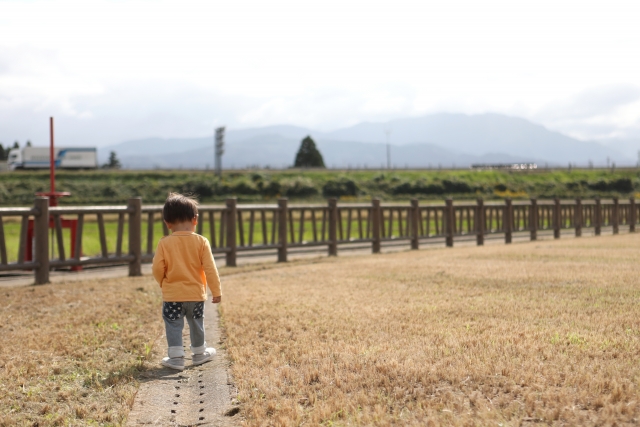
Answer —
(282, 228)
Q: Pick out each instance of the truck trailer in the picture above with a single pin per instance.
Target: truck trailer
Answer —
(65, 158)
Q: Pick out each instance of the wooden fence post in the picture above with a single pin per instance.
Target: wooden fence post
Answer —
(577, 217)
(597, 220)
(632, 215)
(508, 220)
(283, 213)
(480, 223)
(615, 217)
(557, 213)
(41, 235)
(333, 226)
(449, 215)
(231, 225)
(375, 226)
(415, 215)
(135, 236)
(533, 219)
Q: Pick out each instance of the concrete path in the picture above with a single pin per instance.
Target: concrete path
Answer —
(26, 278)
(198, 396)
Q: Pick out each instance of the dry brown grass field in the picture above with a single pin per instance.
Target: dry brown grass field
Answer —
(538, 333)
(542, 333)
(71, 352)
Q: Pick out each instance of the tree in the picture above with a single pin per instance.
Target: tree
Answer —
(3, 155)
(28, 143)
(308, 155)
(113, 162)
(16, 145)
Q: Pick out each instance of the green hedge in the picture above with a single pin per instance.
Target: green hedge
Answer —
(115, 187)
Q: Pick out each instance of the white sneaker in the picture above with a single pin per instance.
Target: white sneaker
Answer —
(176, 363)
(199, 359)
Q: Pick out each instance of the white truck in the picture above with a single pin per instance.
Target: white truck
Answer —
(65, 158)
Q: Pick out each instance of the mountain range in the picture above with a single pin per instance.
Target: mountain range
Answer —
(446, 140)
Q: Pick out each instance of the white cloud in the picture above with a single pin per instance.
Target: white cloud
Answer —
(594, 102)
(611, 111)
(123, 69)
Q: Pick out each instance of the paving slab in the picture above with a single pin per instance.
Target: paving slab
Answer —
(198, 396)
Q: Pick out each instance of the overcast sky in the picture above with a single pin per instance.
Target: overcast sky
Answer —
(110, 71)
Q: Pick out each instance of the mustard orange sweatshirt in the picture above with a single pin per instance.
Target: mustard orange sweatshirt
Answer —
(183, 266)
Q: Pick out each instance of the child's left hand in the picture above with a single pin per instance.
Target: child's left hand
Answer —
(216, 300)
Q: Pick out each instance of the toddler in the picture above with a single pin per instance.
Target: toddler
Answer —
(183, 266)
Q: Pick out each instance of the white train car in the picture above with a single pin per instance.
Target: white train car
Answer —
(65, 158)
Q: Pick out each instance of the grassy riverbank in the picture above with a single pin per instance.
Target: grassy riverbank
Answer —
(115, 187)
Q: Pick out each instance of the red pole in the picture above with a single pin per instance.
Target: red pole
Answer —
(51, 158)
(52, 166)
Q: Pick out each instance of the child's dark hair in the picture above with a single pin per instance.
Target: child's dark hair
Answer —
(179, 208)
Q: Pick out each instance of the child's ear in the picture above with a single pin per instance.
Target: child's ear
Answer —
(195, 220)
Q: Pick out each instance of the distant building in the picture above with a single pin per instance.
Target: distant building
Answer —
(504, 166)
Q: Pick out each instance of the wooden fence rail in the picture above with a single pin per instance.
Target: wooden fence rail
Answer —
(281, 228)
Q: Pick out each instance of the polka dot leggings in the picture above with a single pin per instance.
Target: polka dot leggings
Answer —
(173, 314)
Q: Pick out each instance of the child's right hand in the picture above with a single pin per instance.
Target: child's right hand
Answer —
(216, 300)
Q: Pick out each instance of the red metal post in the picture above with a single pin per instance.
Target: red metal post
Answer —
(52, 194)
(52, 166)
(53, 201)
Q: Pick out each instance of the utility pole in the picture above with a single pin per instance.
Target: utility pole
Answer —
(388, 132)
(219, 149)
